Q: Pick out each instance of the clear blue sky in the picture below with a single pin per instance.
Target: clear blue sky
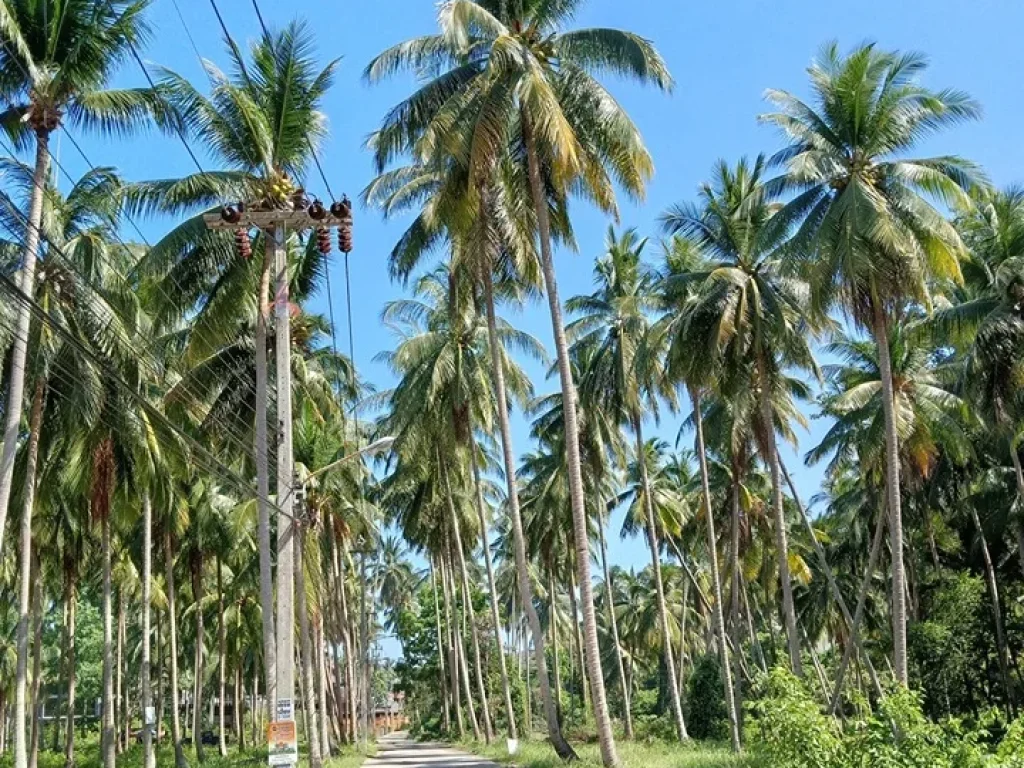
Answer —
(723, 56)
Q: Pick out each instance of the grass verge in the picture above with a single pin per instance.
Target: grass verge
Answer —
(537, 753)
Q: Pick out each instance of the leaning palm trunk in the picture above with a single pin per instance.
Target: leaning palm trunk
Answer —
(19, 348)
(858, 614)
(997, 612)
(453, 662)
(172, 616)
(659, 585)
(837, 593)
(558, 741)
(148, 755)
(892, 497)
(627, 715)
(459, 642)
(263, 482)
(718, 618)
(25, 579)
(606, 738)
(506, 688)
(446, 713)
(781, 537)
(1019, 474)
(306, 653)
(485, 709)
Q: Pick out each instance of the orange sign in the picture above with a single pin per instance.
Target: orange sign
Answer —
(282, 743)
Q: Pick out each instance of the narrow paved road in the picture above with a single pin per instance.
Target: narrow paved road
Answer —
(397, 750)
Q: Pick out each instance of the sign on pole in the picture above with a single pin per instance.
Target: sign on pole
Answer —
(282, 743)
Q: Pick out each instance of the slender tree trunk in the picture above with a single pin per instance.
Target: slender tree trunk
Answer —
(1018, 473)
(306, 651)
(858, 613)
(159, 684)
(172, 623)
(717, 616)
(606, 738)
(37, 663)
(441, 651)
(222, 663)
(460, 650)
(492, 589)
(19, 348)
(997, 613)
(453, 662)
(470, 612)
(109, 735)
(120, 685)
(578, 639)
(237, 701)
(558, 742)
(893, 501)
(683, 611)
(71, 670)
(781, 536)
(263, 479)
(609, 592)
(837, 593)
(200, 658)
(734, 592)
(553, 622)
(3, 724)
(321, 682)
(659, 585)
(25, 559)
(148, 753)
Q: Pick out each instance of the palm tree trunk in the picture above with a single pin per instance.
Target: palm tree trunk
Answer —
(506, 687)
(222, 663)
(321, 681)
(459, 641)
(553, 623)
(718, 618)
(120, 685)
(683, 615)
(306, 653)
(16, 390)
(659, 584)
(237, 700)
(172, 623)
(263, 481)
(609, 593)
(159, 727)
(997, 613)
(485, 709)
(734, 591)
(342, 619)
(1019, 475)
(578, 639)
(781, 537)
(837, 593)
(37, 663)
(200, 658)
(606, 738)
(446, 713)
(108, 733)
(25, 561)
(453, 663)
(71, 603)
(148, 753)
(858, 614)
(892, 497)
(561, 746)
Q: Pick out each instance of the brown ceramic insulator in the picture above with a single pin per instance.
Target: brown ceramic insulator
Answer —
(243, 243)
(323, 240)
(345, 237)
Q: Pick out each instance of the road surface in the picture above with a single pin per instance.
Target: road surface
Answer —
(397, 750)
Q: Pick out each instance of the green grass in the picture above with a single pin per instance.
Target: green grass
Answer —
(536, 753)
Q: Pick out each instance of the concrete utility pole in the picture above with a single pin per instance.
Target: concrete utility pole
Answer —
(275, 219)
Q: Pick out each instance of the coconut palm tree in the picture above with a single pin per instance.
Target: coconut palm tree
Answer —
(542, 94)
(623, 375)
(263, 124)
(753, 316)
(868, 239)
(50, 74)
